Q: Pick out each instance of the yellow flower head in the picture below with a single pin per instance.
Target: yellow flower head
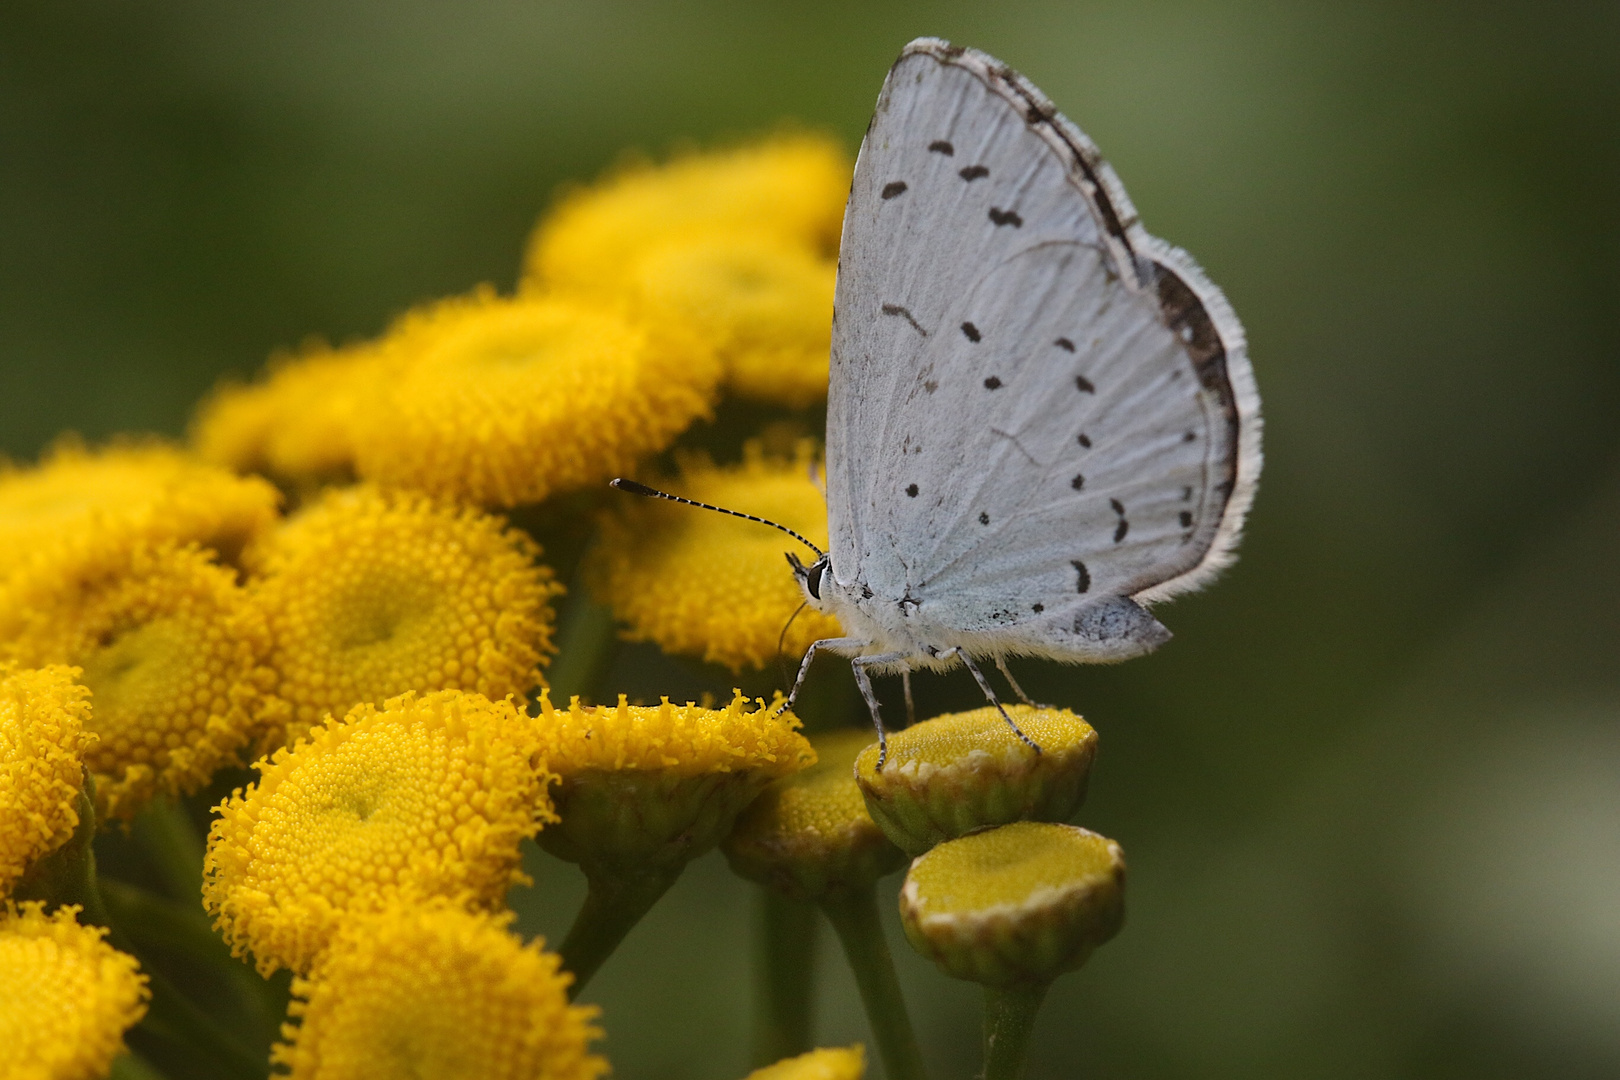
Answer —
(654, 786)
(702, 584)
(499, 401)
(299, 421)
(765, 305)
(172, 652)
(427, 796)
(78, 505)
(828, 1063)
(369, 594)
(436, 993)
(43, 714)
(69, 996)
(789, 188)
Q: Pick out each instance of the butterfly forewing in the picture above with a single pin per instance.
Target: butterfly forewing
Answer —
(1030, 405)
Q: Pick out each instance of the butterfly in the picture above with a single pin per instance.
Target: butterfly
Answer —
(1041, 420)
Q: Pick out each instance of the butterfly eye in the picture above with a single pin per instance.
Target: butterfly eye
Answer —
(812, 578)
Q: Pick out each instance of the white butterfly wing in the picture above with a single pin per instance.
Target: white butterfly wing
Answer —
(1034, 405)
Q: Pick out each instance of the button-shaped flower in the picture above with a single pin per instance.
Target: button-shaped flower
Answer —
(44, 716)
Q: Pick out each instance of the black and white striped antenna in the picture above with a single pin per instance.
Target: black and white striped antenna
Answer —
(653, 493)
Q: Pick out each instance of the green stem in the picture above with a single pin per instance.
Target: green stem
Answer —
(170, 840)
(854, 915)
(131, 1066)
(585, 646)
(613, 905)
(1009, 1017)
(786, 977)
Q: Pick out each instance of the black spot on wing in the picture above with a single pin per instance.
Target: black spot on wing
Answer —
(984, 518)
(1186, 519)
(896, 309)
(1083, 384)
(893, 188)
(973, 172)
(1118, 507)
(1189, 437)
(1038, 608)
(1084, 440)
(970, 332)
(1078, 482)
(911, 489)
(992, 383)
(931, 385)
(940, 146)
(1006, 217)
(1122, 526)
(1065, 344)
(1082, 581)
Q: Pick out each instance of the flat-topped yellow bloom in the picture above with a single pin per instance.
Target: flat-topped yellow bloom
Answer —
(427, 796)
(69, 996)
(828, 1063)
(503, 401)
(79, 504)
(299, 420)
(765, 304)
(649, 786)
(43, 718)
(701, 584)
(435, 993)
(368, 594)
(172, 652)
(789, 188)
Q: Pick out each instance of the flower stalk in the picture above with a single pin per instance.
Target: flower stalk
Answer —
(614, 904)
(1009, 1018)
(786, 978)
(854, 916)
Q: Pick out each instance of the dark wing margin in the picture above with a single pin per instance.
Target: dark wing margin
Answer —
(1190, 304)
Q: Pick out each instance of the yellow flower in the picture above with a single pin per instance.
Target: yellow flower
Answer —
(702, 584)
(299, 421)
(766, 306)
(649, 786)
(499, 401)
(69, 996)
(43, 714)
(369, 594)
(438, 994)
(788, 188)
(78, 504)
(428, 796)
(833, 1063)
(172, 652)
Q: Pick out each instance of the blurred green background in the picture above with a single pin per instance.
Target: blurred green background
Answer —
(1371, 793)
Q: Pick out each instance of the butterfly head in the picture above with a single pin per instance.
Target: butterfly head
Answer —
(809, 577)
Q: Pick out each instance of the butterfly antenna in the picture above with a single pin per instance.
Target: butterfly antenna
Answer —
(781, 641)
(653, 493)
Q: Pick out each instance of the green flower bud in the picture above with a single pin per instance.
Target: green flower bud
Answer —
(965, 771)
(1020, 904)
(809, 834)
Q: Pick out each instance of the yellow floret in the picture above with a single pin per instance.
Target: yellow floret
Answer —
(78, 505)
(69, 996)
(789, 188)
(498, 401)
(766, 305)
(833, 1063)
(172, 651)
(43, 715)
(702, 584)
(299, 421)
(369, 594)
(427, 796)
(438, 994)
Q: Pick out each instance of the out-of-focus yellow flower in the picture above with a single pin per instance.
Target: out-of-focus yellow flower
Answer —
(78, 504)
(43, 714)
(499, 401)
(172, 651)
(766, 305)
(299, 421)
(647, 787)
(369, 594)
(427, 796)
(828, 1063)
(69, 996)
(702, 584)
(788, 188)
(437, 993)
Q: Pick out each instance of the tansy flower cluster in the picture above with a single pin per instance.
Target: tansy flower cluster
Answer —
(324, 630)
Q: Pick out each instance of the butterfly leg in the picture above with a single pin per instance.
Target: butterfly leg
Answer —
(984, 685)
(864, 681)
(1001, 665)
(804, 665)
(911, 710)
